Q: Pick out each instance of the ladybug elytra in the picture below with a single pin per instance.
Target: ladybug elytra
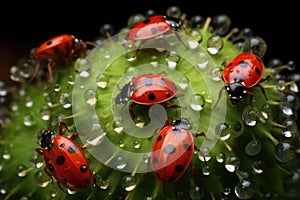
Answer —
(65, 160)
(241, 74)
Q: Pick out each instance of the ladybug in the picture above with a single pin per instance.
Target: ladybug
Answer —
(153, 27)
(147, 89)
(59, 51)
(65, 160)
(241, 74)
(173, 150)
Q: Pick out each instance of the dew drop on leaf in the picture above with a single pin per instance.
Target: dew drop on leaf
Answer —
(128, 182)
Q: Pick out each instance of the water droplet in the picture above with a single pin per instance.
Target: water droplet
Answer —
(266, 111)
(3, 190)
(146, 158)
(28, 102)
(204, 154)
(203, 60)
(284, 152)
(220, 157)
(220, 24)
(65, 100)
(249, 116)
(134, 19)
(174, 11)
(183, 82)
(258, 166)
(90, 97)
(196, 193)
(214, 44)
(57, 87)
(106, 30)
(45, 113)
(206, 170)
(6, 155)
(22, 170)
(253, 147)
(41, 178)
(216, 73)
(128, 183)
(121, 144)
(280, 86)
(15, 74)
(36, 160)
(287, 110)
(256, 45)
(222, 131)
(196, 21)
(197, 102)
(136, 144)
(102, 81)
(14, 106)
(244, 189)
(83, 67)
(117, 126)
(237, 129)
(3, 90)
(232, 163)
(71, 80)
(28, 120)
(104, 184)
(172, 59)
(120, 162)
(290, 129)
(140, 121)
(196, 36)
(226, 191)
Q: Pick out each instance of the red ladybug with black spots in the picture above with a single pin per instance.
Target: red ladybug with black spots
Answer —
(65, 160)
(153, 27)
(173, 150)
(242, 73)
(147, 89)
(59, 51)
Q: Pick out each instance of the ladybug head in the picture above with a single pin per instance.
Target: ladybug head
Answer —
(45, 138)
(182, 123)
(236, 92)
(174, 22)
(125, 94)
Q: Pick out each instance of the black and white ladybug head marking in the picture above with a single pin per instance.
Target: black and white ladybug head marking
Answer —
(175, 23)
(182, 123)
(46, 138)
(236, 92)
(125, 94)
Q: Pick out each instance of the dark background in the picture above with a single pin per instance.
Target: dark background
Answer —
(26, 25)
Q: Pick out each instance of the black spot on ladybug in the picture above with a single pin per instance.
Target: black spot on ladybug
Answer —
(146, 21)
(72, 149)
(153, 31)
(60, 160)
(51, 168)
(62, 145)
(168, 94)
(83, 168)
(169, 149)
(64, 181)
(148, 81)
(163, 82)
(243, 64)
(179, 168)
(49, 43)
(155, 160)
(86, 180)
(257, 70)
(151, 96)
(187, 147)
(159, 138)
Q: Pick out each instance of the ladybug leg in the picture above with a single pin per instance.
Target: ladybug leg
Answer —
(60, 131)
(220, 95)
(180, 39)
(37, 67)
(50, 71)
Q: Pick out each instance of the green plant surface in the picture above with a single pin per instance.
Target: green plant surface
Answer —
(247, 152)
